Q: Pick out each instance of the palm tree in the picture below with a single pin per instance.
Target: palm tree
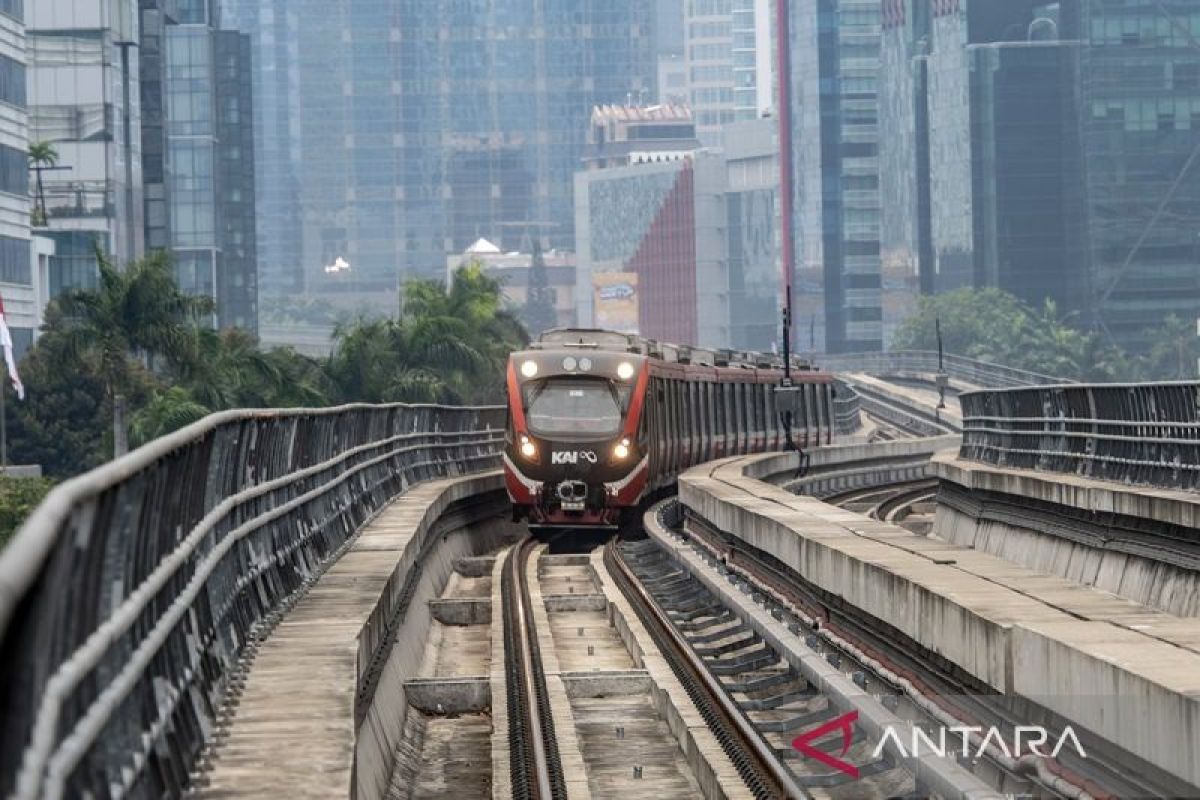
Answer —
(167, 411)
(42, 156)
(133, 315)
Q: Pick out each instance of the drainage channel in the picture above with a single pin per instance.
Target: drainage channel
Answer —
(779, 702)
(446, 739)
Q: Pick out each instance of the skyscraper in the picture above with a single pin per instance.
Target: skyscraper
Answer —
(1139, 98)
(20, 278)
(413, 128)
(1048, 149)
(837, 288)
(210, 188)
(83, 99)
(728, 50)
(273, 28)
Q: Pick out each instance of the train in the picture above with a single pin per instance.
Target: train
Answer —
(600, 421)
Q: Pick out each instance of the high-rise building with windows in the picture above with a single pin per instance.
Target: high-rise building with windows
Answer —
(155, 16)
(728, 54)
(405, 130)
(1048, 149)
(1139, 102)
(210, 186)
(84, 100)
(21, 255)
(274, 27)
(837, 285)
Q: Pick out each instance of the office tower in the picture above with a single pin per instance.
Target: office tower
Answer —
(407, 130)
(83, 99)
(728, 55)
(22, 256)
(1139, 101)
(273, 27)
(210, 189)
(837, 283)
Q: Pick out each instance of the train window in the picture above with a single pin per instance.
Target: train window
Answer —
(769, 405)
(730, 408)
(569, 406)
(756, 407)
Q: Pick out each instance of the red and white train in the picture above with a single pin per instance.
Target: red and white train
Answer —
(598, 420)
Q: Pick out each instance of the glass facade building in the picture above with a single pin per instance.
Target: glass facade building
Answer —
(1056, 143)
(210, 186)
(19, 278)
(405, 130)
(753, 235)
(837, 285)
(1139, 98)
(273, 27)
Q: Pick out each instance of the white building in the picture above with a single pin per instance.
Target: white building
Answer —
(20, 258)
(728, 52)
(84, 100)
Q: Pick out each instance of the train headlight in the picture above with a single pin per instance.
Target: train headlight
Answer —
(528, 448)
(569, 363)
(625, 370)
(529, 368)
(621, 450)
(585, 364)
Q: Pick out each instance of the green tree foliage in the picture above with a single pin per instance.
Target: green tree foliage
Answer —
(1175, 350)
(18, 498)
(139, 335)
(539, 313)
(450, 344)
(42, 156)
(135, 315)
(65, 422)
(167, 411)
(992, 325)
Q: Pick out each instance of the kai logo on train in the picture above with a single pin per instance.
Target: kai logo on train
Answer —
(573, 456)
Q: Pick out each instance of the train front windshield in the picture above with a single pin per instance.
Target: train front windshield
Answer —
(564, 407)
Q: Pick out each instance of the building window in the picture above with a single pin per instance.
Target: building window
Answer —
(14, 8)
(14, 171)
(12, 82)
(14, 260)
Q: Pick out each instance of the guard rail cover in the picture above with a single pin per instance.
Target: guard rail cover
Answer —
(128, 595)
(1146, 434)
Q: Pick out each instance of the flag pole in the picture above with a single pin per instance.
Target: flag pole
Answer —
(4, 425)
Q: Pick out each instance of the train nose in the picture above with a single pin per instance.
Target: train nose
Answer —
(572, 491)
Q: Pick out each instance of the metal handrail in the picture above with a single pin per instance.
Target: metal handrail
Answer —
(969, 370)
(173, 555)
(1147, 434)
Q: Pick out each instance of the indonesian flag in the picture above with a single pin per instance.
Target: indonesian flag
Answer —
(7, 343)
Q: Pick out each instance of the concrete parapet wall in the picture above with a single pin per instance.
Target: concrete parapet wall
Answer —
(1076, 536)
(1019, 631)
(1171, 506)
(1142, 693)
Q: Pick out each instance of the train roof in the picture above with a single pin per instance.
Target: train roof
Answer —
(613, 341)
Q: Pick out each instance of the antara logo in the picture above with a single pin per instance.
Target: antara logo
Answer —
(973, 741)
(572, 456)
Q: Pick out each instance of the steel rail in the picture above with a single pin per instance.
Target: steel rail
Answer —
(761, 768)
(541, 774)
(884, 651)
